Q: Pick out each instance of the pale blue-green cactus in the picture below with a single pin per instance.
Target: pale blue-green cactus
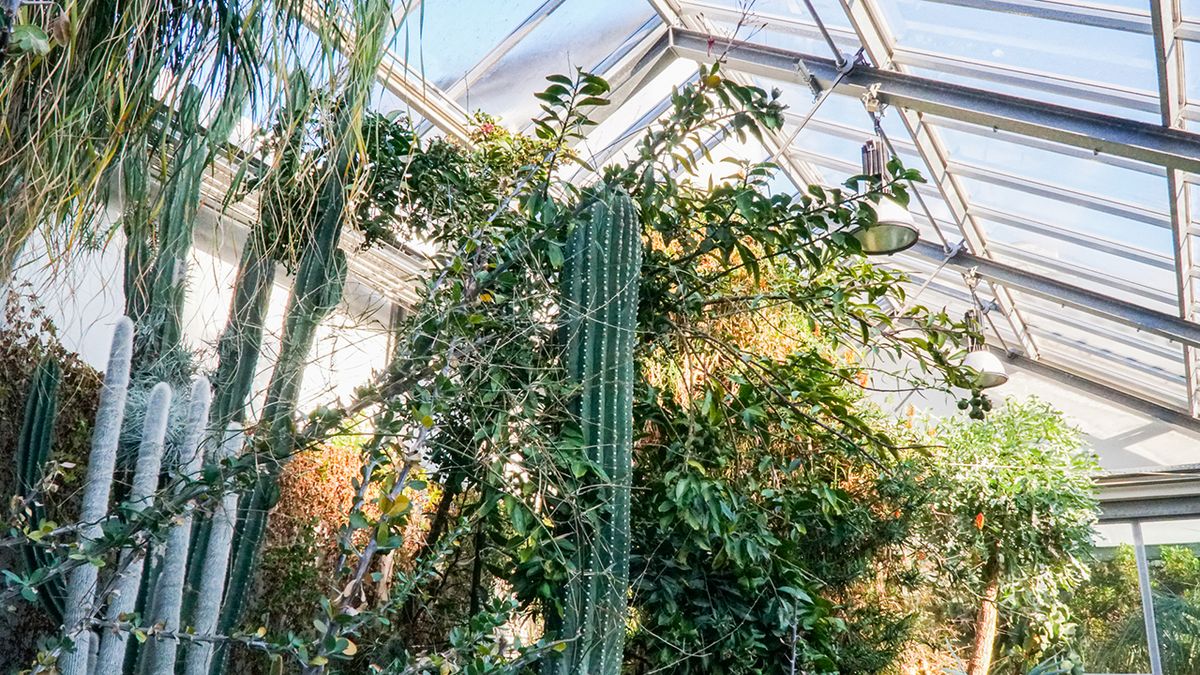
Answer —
(97, 486)
(121, 601)
(165, 604)
(215, 564)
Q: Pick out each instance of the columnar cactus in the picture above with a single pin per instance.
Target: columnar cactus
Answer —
(33, 451)
(181, 201)
(168, 591)
(81, 583)
(320, 278)
(111, 658)
(214, 565)
(599, 304)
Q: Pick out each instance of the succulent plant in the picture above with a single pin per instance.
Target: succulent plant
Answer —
(97, 486)
(125, 588)
(599, 303)
(33, 451)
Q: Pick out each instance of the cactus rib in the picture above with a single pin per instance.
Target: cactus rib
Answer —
(111, 657)
(215, 564)
(168, 591)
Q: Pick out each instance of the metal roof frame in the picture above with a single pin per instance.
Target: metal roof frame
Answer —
(1165, 149)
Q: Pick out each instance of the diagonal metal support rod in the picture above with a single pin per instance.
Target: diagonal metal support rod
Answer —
(1020, 279)
(1166, 16)
(1103, 134)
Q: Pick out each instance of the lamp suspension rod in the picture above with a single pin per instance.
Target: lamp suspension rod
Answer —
(838, 59)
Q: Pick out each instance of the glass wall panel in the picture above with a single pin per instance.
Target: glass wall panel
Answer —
(580, 33)
(1191, 57)
(1108, 607)
(442, 40)
(1171, 549)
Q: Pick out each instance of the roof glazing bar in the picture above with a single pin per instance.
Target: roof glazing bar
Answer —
(1134, 212)
(1017, 278)
(1172, 96)
(1040, 81)
(1099, 16)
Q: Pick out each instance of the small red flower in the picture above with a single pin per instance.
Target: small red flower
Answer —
(487, 128)
(979, 521)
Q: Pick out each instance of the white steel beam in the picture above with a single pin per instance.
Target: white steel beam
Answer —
(1167, 16)
(672, 14)
(1097, 133)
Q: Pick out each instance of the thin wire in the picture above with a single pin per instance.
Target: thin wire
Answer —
(921, 289)
(843, 70)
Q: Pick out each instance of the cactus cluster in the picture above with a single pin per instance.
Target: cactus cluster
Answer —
(89, 652)
(599, 304)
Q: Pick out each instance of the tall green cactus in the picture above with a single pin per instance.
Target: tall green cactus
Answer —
(599, 305)
(81, 583)
(33, 451)
(177, 226)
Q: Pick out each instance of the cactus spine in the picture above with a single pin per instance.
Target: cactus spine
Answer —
(81, 583)
(215, 564)
(111, 657)
(599, 303)
(33, 451)
(168, 591)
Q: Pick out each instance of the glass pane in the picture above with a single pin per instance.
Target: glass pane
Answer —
(1108, 607)
(1171, 548)
(1024, 42)
(580, 33)
(1060, 169)
(1191, 56)
(443, 39)
(1133, 360)
(1140, 106)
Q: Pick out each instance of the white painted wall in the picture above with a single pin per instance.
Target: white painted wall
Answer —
(84, 298)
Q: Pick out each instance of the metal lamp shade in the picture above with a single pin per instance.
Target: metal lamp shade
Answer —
(893, 231)
(989, 370)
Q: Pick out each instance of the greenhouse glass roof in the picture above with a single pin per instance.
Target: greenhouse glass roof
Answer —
(1060, 140)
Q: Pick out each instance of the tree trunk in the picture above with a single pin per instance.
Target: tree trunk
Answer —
(987, 618)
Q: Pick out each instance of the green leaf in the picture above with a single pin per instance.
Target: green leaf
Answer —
(30, 39)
